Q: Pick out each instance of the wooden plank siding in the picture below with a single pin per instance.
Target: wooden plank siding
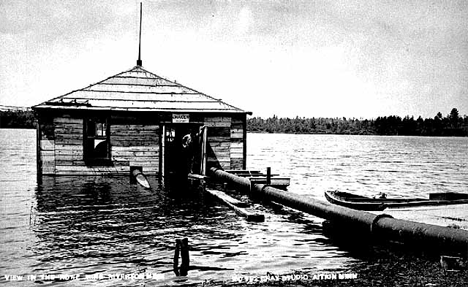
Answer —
(131, 145)
(135, 141)
(136, 145)
(238, 140)
(219, 137)
(226, 138)
(68, 151)
(46, 146)
(47, 156)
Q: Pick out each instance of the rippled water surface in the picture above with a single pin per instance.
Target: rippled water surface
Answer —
(398, 166)
(96, 225)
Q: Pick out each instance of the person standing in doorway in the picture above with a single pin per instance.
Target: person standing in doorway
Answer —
(187, 153)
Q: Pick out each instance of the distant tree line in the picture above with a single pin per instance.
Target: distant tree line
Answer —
(451, 125)
(17, 119)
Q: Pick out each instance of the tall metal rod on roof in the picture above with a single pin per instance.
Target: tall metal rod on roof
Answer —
(139, 61)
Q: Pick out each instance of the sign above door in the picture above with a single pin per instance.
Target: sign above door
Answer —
(180, 118)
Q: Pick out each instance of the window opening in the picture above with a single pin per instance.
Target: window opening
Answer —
(97, 142)
(170, 134)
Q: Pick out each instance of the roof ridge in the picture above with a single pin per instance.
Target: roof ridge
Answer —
(174, 82)
(150, 77)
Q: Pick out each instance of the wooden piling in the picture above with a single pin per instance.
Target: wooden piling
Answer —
(268, 179)
(181, 249)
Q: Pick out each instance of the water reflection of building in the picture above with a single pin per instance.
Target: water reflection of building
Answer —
(89, 192)
(136, 119)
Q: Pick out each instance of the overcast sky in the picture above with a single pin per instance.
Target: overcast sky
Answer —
(318, 58)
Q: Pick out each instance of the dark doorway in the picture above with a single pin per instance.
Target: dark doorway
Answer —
(181, 156)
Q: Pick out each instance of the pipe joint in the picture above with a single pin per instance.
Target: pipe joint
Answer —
(376, 219)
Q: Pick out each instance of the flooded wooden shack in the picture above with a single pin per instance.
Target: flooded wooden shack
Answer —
(138, 120)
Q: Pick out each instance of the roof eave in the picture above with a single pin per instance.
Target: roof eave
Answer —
(83, 108)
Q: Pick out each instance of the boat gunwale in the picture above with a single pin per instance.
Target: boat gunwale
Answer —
(373, 204)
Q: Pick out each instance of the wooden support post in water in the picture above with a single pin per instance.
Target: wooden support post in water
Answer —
(268, 179)
(181, 248)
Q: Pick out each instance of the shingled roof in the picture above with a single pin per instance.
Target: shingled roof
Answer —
(139, 90)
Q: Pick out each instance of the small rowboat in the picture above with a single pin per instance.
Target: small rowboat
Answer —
(375, 204)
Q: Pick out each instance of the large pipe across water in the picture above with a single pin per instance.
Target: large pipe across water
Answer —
(379, 226)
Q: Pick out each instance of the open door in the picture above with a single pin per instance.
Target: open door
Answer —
(162, 152)
(202, 136)
(176, 159)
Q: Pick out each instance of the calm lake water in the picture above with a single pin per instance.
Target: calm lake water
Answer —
(92, 225)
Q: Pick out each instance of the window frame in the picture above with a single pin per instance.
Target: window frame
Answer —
(89, 137)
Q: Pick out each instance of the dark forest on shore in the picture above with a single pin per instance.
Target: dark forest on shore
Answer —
(450, 125)
(17, 119)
